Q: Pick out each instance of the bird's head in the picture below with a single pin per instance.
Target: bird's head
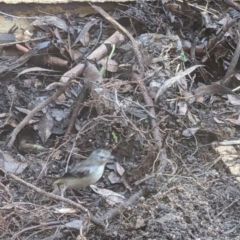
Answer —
(101, 156)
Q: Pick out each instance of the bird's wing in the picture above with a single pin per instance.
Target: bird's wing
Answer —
(80, 170)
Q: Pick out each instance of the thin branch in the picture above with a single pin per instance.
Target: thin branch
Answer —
(40, 106)
(58, 198)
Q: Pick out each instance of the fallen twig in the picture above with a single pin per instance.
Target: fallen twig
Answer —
(138, 77)
(47, 194)
(79, 104)
(156, 133)
(97, 221)
(44, 225)
(117, 38)
(100, 52)
(124, 31)
(124, 206)
(212, 43)
(233, 4)
(25, 121)
(232, 203)
(230, 142)
(58, 198)
(232, 65)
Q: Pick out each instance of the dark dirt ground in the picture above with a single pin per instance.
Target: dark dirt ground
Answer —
(178, 187)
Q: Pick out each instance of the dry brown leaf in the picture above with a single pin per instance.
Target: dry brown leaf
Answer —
(111, 197)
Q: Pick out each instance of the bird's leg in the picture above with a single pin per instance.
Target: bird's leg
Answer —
(63, 190)
(75, 197)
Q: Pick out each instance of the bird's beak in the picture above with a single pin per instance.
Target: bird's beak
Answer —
(111, 159)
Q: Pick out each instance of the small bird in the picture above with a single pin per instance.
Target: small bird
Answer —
(86, 172)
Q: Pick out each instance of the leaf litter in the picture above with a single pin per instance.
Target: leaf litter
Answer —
(155, 83)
